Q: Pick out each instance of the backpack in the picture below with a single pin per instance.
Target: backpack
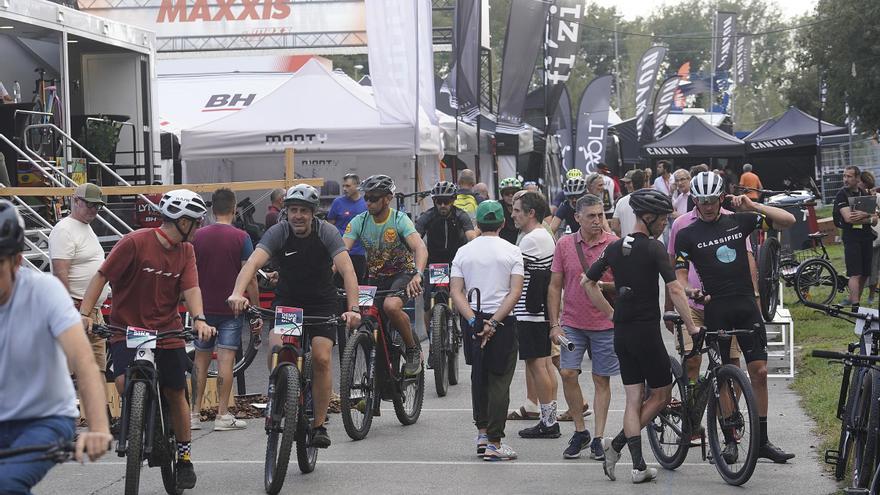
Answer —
(466, 202)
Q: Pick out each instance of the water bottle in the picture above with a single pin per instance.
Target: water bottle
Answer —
(16, 92)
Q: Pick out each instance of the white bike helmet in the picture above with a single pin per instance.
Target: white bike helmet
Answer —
(574, 186)
(182, 203)
(302, 193)
(707, 185)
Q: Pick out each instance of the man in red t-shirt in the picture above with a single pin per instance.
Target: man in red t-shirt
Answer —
(149, 270)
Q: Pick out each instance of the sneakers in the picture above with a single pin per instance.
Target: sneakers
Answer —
(413, 364)
(502, 453)
(195, 421)
(611, 458)
(579, 441)
(186, 475)
(774, 453)
(730, 453)
(229, 422)
(597, 450)
(649, 474)
(541, 431)
(320, 438)
(482, 441)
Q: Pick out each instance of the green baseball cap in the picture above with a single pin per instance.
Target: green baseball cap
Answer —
(90, 193)
(490, 212)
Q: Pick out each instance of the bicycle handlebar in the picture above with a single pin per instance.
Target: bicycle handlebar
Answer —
(837, 311)
(106, 331)
(56, 452)
(818, 353)
(258, 312)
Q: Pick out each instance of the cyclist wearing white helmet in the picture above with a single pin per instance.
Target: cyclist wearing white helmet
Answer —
(716, 245)
(149, 270)
(574, 187)
(306, 250)
(508, 187)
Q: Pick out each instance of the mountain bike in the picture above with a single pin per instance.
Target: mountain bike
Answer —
(47, 109)
(858, 405)
(445, 330)
(817, 281)
(146, 430)
(372, 370)
(290, 410)
(725, 394)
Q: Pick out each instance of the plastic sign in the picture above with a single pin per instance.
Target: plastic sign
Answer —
(875, 322)
(438, 273)
(366, 295)
(140, 338)
(288, 321)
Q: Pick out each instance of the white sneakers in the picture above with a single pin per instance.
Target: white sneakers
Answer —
(195, 421)
(649, 474)
(229, 422)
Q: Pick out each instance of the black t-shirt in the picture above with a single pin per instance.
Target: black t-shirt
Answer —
(509, 232)
(849, 231)
(637, 270)
(718, 251)
(566, 212)
(445, 234)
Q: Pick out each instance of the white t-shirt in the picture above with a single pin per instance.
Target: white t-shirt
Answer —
(609, 192)
(661, 185)
(487, 263)
(537, 249)
(3, 92)
(625, 215)
(76, 241)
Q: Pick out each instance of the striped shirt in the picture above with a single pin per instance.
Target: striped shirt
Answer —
(537, 251)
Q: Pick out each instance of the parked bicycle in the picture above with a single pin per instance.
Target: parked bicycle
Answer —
(290, 410)
(445, 328)
(47, 109)
(146, 430)
(372, 370)
(858, 405)
(725, 394)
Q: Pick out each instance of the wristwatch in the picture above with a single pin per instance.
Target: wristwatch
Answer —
(355, 309)
(200, 318)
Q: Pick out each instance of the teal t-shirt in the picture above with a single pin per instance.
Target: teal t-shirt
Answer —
(385, 243)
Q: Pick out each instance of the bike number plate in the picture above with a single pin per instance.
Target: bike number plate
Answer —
(366, 295)
(438, 273)
(860, 324)
(140, 338)
(288, 321)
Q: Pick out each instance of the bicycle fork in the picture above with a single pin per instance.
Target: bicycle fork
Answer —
(375, 398)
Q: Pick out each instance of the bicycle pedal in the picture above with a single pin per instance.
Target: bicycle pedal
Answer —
(832, 457)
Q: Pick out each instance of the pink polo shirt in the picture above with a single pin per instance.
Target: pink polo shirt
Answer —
(680, 223)
(578, 312)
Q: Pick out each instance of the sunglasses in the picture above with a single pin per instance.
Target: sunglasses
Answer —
(373, 199)
(443, 201)
(92, 206)
(708, 200)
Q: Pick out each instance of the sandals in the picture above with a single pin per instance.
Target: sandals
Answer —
(566, 416)
(521, 413)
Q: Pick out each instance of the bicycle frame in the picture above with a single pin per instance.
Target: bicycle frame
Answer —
(291, 352)
(142, 369)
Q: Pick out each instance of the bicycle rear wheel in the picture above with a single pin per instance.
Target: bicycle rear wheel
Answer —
(440, 346)
(866, 416)
(768, 277)
(356, 386)
(816, 282)
(247, 356)
(165, 447)
(669, 433)
(306, 455)
(135, 443)
(732, 425)
(283, 422)
(854, 402)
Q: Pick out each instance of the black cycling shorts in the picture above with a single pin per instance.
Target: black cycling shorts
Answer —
(738, 313)
(170, 363)
(641, 354)
(326, 331)
(393, 282)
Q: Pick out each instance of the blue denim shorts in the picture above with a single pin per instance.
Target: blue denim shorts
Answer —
(602, 344)
(228, 333)
(19, 474)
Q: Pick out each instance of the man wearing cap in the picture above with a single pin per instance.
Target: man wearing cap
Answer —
(494, 267)
(626, 180)
(77, 255)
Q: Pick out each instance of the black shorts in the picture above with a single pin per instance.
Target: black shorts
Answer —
(326, 331)
(641, 354)
(170, 363)
(738, 313)
(534, 339)
(393, 282)
(857, 253)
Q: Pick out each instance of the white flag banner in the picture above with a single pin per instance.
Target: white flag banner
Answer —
(401, 57)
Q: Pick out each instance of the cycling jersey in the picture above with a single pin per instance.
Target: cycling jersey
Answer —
(638, 272)
(508, 232)
(718, 250)
(445, 234)
(387, 251)
(566, 212)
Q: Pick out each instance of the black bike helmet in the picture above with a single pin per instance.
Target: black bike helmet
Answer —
(650, 201)
(11, 229)
(378, 183)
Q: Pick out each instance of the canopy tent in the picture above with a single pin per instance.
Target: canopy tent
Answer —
(794, 129)
(696, 138)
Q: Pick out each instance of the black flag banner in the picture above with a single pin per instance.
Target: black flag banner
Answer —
(466, 86)
(743, 58)
(525, 28)
(725, 32)
(646, 77)
(663, 103)
(562, 44)
(592, 124)
(560, 126)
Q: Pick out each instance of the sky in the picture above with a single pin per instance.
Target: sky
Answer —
(631, 8)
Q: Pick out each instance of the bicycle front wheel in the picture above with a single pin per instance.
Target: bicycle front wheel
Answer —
(454, 326)
(282, 432)
(669, 433)
(356, 386)
(816, 282)
(408, 402)
(306, 454)
(768, 277)
(866, 415)
(854, 402)
(135, 442)
(439, 344)
(732, 425)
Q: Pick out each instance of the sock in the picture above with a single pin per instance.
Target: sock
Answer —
(618, 442)
(530, 406)
(763, 422)
(183, 451)
(635, 450)
(548, 413)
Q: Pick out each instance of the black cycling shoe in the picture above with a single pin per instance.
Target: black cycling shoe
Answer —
(320, 438)
(730, 453)
(540, 430)
(186, 475)
(774, 453)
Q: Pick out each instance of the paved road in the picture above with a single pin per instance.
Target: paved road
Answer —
(436, 455)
